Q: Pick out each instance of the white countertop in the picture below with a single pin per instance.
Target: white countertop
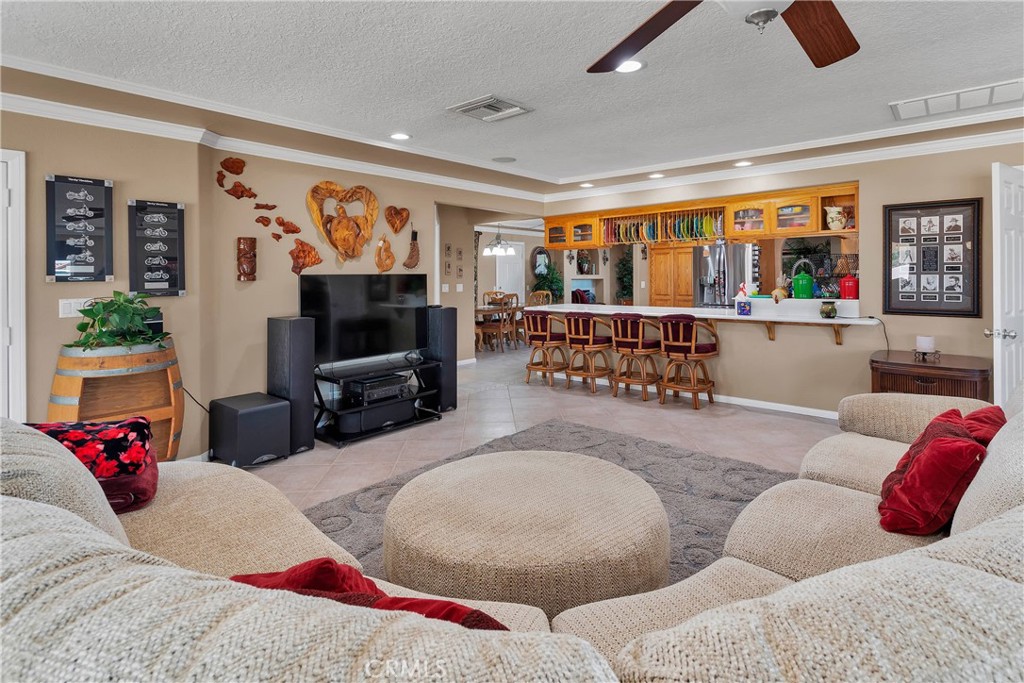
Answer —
(804, 311)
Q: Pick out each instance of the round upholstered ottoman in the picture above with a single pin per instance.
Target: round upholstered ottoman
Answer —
(542, 528)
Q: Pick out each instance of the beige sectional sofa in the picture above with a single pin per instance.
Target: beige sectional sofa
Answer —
(810, 587)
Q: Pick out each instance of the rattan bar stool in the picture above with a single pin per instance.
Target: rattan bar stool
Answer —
(636, 353)
(586, 346)
(545, 341)
(682, 346)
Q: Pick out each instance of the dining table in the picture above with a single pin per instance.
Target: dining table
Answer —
(490, 312)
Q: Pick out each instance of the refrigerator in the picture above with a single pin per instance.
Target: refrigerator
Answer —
(720, 268)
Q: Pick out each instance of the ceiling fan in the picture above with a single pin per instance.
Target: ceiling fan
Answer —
(817, 25)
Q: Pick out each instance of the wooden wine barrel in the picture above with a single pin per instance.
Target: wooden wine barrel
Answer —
(117, 382)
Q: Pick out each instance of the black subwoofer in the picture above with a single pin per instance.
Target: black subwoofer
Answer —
(290, 374)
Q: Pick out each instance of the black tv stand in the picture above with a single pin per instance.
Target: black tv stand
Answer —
(339, 420)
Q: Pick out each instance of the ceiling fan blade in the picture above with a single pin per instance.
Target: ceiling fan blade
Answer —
(639, 39)
(821, 31)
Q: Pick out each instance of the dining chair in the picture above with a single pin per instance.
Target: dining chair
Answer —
(541, 297)
(492, 296)
(503, 323)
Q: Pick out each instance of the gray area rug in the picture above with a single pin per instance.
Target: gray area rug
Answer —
(702, 493)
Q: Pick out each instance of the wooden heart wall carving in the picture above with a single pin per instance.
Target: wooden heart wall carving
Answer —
(396, 218)
(346, 234)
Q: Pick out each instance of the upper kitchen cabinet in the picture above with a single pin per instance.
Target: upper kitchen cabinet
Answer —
(793, 216)
(748, 219)
(839, 207)
(572, 232)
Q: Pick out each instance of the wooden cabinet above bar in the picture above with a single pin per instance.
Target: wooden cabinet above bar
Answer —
(793, 212)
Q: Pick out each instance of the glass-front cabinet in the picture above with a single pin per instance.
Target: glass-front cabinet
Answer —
(795, 216)
(572, 232)
(750, 218)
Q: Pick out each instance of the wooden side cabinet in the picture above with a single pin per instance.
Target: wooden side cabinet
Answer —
(897, 371)
(671, 276)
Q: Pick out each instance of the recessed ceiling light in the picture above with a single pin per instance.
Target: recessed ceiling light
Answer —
(629, 66)
(741, 164)
(655, 176)
(400, 136)
(586, 184)
(504, 160)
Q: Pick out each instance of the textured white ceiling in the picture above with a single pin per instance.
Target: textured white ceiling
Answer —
(363, 70)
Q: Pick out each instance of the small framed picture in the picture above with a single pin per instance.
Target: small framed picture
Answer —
(458, 253)
(930, 225)
(458, 272)
(940, 272)
(908, 226)
(448, 250)
(448, 268)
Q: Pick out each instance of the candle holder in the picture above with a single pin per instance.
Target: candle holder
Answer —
(924, 356)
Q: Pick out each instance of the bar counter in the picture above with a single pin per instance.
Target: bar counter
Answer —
(763, 311)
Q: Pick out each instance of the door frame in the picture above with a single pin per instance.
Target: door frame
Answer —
(14, 288)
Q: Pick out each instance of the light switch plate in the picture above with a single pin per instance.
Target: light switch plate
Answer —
(68, 308)
(643, 284)
(444, 288)
(458, 288)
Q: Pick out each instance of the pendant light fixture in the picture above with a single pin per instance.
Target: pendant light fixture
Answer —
(499, 247)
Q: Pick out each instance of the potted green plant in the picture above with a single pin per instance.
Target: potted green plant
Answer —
(550, 280)
(624, 279)
(120, 367)
(120, 320)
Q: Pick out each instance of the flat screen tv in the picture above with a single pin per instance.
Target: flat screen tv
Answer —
(360, 316)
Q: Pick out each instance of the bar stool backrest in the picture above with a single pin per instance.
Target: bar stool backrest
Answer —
(627, 331)
(679, 334)
(579, 328)
(538, 326)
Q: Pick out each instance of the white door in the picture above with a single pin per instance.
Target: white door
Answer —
(1008, 281)
(510, 276)
(13, 387)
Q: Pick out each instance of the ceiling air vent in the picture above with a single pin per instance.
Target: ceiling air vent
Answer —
(490, 109)
(958, 100)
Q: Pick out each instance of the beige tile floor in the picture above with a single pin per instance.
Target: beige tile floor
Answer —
(494, 401)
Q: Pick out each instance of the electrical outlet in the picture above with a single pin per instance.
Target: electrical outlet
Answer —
(68, 308)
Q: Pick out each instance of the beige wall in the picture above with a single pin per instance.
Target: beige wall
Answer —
(803, 367)
(457, 229)
(220, 326)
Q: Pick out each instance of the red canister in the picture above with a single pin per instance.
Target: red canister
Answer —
(849, 287)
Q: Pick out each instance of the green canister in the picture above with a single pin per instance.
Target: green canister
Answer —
(803, 286)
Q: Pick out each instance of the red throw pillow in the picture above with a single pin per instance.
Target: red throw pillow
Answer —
(926, 498)
(984, 423)
(949, 423)
(326, 578)
(118, 455)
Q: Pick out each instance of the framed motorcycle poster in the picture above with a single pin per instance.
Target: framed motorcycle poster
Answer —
(79, 229)
(156, 248)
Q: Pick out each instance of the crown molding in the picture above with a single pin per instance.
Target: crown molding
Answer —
(142, 90)
(19, 104)
(1007, 137)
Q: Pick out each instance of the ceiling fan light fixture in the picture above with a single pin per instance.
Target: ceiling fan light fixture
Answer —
(762, 17)
(629, 66)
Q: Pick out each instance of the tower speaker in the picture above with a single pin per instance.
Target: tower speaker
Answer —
(442, 323)
(290, 374)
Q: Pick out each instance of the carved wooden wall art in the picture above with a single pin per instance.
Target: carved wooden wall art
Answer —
(238, 190)
(264, 221)
(346, 234)
(233, 165)
(287, 227)
(246, 259)
(396, 218)
(265, 207)
(276, 236)
(303, 256)
(220, 178)
(414, 254)
(384, 257)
